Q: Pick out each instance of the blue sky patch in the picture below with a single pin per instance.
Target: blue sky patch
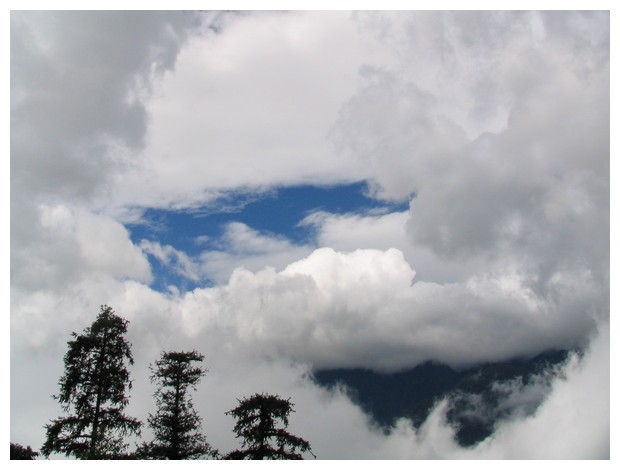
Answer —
(275, 212)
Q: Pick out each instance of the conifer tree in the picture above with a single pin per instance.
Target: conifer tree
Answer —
(262, 420)
(176, 424)
(94, 388)
(19, 452)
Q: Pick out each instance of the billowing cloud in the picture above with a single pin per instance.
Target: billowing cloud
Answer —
(364, 309)
(385, 230)
(64, 245)
(250, 106)
(531, 192)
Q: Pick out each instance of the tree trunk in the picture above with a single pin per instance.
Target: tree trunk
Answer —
(94, 438)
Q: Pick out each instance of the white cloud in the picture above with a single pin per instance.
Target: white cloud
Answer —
(99, 236)
(382, 231)
(242, 246)
(351, 231)
(175, 259)
(66, 244)
(360, 309)
(574, 421)
(250, 106)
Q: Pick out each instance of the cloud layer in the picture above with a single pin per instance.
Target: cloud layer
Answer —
(494, 126)
(364, 309)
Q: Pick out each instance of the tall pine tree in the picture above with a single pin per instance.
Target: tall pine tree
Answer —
(176, 424)
(262, 420)
(94, 388)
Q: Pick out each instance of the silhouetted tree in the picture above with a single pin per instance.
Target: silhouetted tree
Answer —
(176, 424)
(19, 452)
(262, 420)
(94, 386)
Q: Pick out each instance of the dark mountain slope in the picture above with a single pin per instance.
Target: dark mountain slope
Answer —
(476, 395)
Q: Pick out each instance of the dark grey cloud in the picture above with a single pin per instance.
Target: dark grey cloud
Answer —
(77, 83)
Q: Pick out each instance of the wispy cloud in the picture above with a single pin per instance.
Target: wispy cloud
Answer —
(242, 247)
(172, 258)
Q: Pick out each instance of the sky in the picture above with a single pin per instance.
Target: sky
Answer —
(290, 191)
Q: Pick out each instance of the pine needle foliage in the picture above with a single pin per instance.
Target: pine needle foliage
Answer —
(262, 420)
(176, 424)
(19, 452)
(93, 393)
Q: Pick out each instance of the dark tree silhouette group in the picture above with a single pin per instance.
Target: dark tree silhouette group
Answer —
(94, 394)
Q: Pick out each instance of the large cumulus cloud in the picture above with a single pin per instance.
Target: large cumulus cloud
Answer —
(364, 309)
(539, 184)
